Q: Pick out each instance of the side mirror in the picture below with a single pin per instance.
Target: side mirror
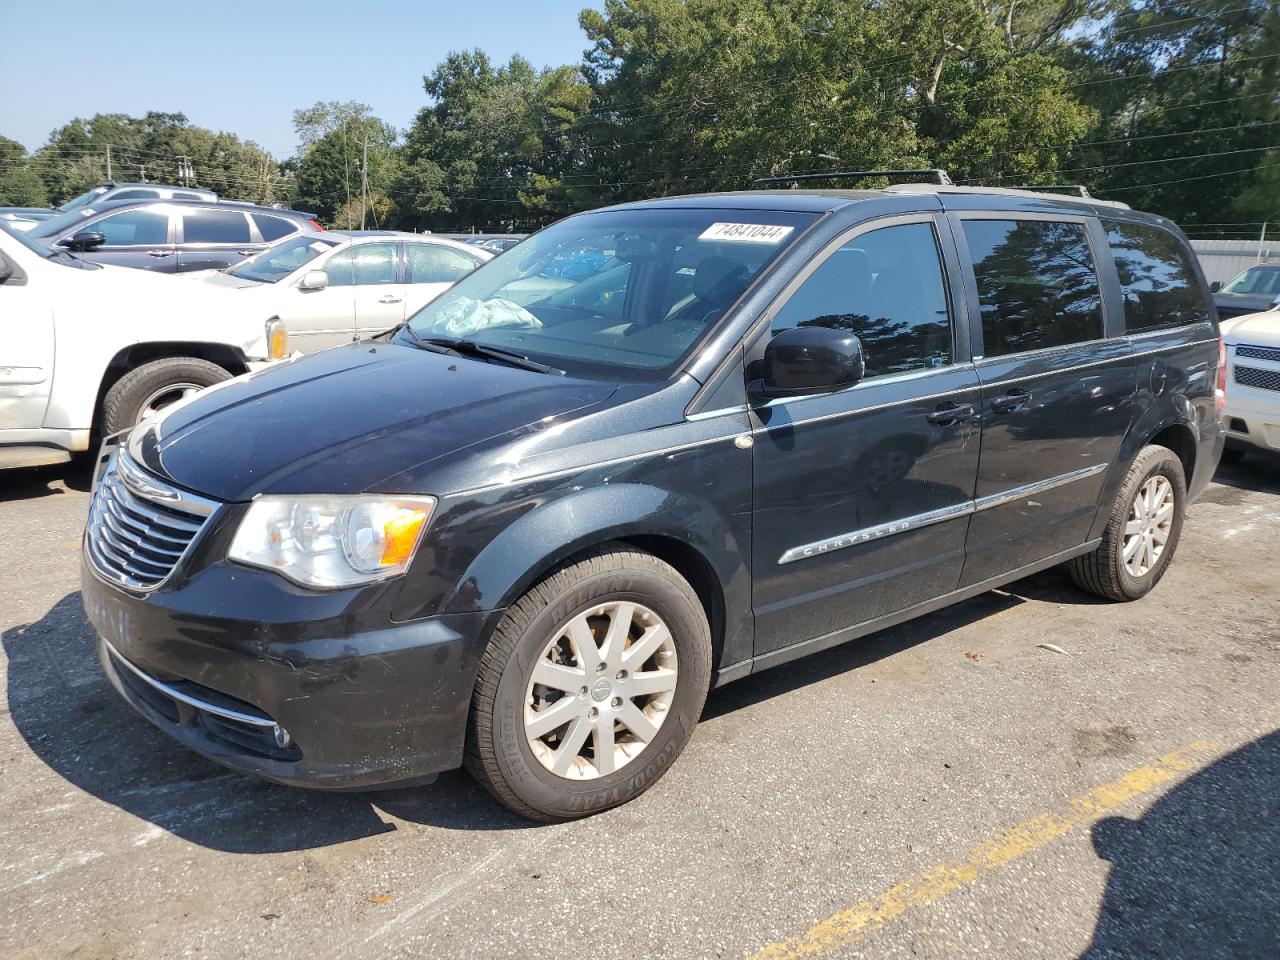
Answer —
(85, 240)
(810, 360)
(313, 280)
(6, 269)
(1215, 286)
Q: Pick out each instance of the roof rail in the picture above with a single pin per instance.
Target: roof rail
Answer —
(937, 176)
(1072, 189)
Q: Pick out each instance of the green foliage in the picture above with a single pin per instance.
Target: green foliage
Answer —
(151, 148)
(20, 185)
(328, 175)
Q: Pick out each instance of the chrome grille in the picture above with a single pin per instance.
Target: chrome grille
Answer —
(1257, 377)
(1258, 353)
(139, 527)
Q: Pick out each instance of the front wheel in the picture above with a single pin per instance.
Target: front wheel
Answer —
(148, 389)
(591, 686)
(1142, 532)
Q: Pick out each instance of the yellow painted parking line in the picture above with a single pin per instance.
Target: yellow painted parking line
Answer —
(850, 926)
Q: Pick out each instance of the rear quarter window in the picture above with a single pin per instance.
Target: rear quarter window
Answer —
(273, 228)
(1157, 279)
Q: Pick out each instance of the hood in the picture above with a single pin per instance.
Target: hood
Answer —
(1262, 329)
(342, 420)
(216, 279)
(1235, 304)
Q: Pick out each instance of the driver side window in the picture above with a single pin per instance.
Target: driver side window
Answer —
(887, 287)
(132, 227)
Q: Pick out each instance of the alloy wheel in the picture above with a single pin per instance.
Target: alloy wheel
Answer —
(166, 396)
(1147, 531)
(600, 690)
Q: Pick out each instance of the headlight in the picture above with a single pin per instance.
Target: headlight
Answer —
(277, 332)
(332, 541)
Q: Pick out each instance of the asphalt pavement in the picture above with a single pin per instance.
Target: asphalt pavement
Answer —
(1034, 773)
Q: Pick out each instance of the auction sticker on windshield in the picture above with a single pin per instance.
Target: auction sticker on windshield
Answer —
(745, 233)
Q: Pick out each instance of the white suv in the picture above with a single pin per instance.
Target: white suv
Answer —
(86, 347)
(1252, 412)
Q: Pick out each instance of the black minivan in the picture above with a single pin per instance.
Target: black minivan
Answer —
(651, 449)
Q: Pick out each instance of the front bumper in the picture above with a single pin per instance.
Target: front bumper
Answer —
(293, 686)
(1250, 420)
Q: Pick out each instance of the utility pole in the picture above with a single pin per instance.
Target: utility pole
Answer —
(364, 181)
(346, 165)
(108, 161)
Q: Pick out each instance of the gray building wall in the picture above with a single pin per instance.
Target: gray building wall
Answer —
(1223, 259)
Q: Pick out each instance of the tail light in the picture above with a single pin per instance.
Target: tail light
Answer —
(1220, 394)
(317, 225)
(277, 339)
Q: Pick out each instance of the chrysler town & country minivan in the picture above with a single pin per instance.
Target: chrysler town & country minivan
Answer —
(528, 530)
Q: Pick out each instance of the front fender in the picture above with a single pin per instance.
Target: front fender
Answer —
(555, 530)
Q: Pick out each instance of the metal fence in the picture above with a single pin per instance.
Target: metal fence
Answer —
(1223, 259)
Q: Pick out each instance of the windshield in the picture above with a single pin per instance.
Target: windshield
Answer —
(48, 253)
(618, 295)
(1259, 280)
(87, 197)
(279, 261)
(55, 225)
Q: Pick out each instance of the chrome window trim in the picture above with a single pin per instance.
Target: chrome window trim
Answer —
(174, 694)
(920, 520)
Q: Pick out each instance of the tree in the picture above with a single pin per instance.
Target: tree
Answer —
(155, 148)
(329, 170)
(20, 185)
(494, 147)
(709, 94)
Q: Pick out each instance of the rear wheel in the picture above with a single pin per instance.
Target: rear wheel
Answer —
(1142, 532)
(147, 390)
(591, 686)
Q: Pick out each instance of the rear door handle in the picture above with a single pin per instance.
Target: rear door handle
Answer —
(245, 253)
(159, 253)
(1011, 402)
(951, 412)
(388, 299)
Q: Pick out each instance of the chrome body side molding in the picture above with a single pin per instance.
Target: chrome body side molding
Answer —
(920, 520)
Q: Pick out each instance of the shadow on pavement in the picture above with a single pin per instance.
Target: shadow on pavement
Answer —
(1197, 877)
(76, 724)
(30, 483)
(1255, 471)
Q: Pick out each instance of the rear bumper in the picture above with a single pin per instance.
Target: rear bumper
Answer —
(282, 691)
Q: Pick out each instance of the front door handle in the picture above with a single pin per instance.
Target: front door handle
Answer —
(159, 253)
(388, 299)
(951, 412)
(245, 253)
(1011, 402)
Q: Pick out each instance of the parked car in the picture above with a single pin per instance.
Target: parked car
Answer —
(528, 530)
(108, 192)
(337, 287)
(88, 349)
(171, 236)
(1252, 413)
(24, 218)
(1254, 289)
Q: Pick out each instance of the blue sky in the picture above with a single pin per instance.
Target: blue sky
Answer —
(244, 67)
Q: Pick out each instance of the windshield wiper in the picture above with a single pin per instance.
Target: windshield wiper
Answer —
(469, 348)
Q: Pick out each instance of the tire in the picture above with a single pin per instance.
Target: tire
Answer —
(500, 750)
(1106, 571)
(125, 401)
